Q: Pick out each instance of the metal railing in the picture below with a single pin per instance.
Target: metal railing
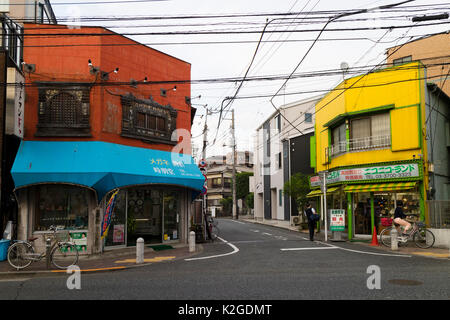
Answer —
(12, 39)
(360, 144)
(439, 213)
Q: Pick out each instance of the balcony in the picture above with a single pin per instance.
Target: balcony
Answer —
(360, 144)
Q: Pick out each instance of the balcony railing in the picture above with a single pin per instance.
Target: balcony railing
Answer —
(12, 39)
(360, 144)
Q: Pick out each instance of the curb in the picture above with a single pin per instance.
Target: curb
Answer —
(55, 272)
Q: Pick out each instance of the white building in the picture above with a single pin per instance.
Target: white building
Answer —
(281, 150)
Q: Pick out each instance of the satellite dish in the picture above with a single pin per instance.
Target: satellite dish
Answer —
(344, 66)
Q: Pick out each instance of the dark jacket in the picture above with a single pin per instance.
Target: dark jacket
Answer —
(399, 213)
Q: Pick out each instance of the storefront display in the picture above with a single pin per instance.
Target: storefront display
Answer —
(63, 206)
(151, 213)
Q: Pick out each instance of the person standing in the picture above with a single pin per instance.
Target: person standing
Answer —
(310, 212)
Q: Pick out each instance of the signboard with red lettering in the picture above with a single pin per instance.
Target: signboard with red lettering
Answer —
(337, 220)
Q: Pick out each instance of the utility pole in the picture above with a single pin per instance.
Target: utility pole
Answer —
(205, 131)
(235, 215)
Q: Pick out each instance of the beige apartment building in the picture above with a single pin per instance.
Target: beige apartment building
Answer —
(433, 51)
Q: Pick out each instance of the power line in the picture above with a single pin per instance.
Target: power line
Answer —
(73, 34)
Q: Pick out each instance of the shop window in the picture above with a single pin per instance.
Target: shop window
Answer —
(63, 206)
(63, 110)
(147, 120)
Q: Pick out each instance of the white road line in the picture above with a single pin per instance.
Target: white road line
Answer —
(330, 246)
(238, 221)
(267, 234)
(317, 248)
(235, 250)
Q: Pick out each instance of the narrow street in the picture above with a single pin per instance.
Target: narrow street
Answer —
(256, 262)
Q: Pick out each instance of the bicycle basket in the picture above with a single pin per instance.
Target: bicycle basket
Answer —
(421, 224)
(62, 235)
(386, 222)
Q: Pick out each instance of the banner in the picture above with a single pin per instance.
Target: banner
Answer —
(108, 214)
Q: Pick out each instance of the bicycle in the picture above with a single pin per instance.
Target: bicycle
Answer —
(422, 237)
(213, 229)
(63, 253)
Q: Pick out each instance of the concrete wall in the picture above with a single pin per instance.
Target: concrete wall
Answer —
(442, 238)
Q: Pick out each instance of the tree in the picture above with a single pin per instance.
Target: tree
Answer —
(250, 200)
(297, 188)
(242, 184)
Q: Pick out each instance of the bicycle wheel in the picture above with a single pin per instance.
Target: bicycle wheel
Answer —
(385, 237)
(64, 255)
(424, 238)
(17, 255)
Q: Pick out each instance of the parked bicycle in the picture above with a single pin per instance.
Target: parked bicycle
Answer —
(213, 229)
(63, 253)
(422, 237)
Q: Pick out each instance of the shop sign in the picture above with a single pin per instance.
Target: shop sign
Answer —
(80, 240)
(337, 222)
(410, 170)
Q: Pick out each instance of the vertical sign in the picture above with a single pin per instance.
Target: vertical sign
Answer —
(19, 106)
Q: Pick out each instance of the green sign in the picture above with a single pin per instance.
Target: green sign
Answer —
(337, 219)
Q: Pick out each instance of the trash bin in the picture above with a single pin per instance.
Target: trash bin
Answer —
(4, 245)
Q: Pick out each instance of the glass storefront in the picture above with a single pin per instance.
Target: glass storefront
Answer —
(150, 213)
(64, 206)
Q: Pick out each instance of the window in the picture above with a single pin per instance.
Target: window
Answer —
(227, 182)
(216, 183)
(338, 140)
(63, 110)
(278, 122)
(402, 60)
(280, 197)
(61, 205)
(308, 117)
(279, 160)
(370, 132)
(147, 120)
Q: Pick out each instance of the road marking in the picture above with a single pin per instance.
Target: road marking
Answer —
(240, 222)
(267, 234)
(252, 230)
(318, 248)
(431, 254)
(330, 246)
(90, 270)
(13, 280)
(155, 259)
(235, 250)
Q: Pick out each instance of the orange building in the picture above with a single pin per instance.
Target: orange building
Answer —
(104, 113)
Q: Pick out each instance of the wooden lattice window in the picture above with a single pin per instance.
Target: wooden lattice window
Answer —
(147, 120)
(63, 110)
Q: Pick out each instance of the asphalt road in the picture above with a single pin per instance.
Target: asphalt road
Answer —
(257, 262)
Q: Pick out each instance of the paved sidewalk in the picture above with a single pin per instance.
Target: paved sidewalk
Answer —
(110, 260)
(410, 249)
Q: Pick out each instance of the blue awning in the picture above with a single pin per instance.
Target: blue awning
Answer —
(102, 166)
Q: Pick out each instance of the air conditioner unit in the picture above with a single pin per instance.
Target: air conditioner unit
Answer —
(295, 220)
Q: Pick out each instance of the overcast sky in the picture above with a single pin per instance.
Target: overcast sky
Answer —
(212, 60)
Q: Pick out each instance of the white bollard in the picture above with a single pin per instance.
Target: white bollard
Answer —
(139, 250)
(192, 241)
(394, 239)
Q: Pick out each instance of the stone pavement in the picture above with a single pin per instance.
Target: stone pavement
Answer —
(410, 249)
(110, 260)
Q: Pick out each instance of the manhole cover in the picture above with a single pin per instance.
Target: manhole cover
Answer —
(405, 282)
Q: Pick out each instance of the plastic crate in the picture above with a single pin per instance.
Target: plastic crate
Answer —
(386, 222)
(4, 245)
